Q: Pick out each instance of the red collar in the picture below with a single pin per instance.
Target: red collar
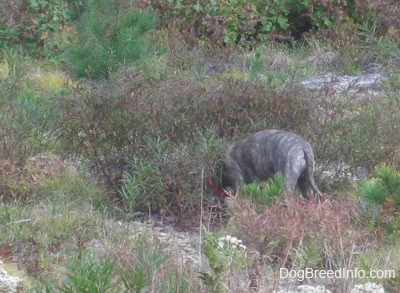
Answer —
(221, 192)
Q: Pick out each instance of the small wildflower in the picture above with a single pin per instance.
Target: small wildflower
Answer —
(368, 287)
(231, 241)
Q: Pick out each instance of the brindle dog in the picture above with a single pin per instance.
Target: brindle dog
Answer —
(259, 156)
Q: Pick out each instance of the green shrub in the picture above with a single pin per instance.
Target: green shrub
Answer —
(7, 34)
(360, 134)
(104, 124)
(144, 189)
(87, 273)
(386, 184)
(140, 276)
(265, 194)
(39, 27)
(384, 192)
(108, 36)
(25, 123)
(244, 22)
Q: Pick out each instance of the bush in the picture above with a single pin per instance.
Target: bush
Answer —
(104, 124)
(26, 120)
(107, 36)
(86, 273)
(142, 188)
(357, 132)
(247, 22)
(39, 27)
(384, 192)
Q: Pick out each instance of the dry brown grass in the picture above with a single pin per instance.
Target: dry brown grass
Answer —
(325, 226)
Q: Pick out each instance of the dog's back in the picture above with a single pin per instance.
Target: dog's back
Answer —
(259, 156)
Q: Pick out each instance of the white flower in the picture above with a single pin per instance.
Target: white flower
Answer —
(231, 241)
(368, 287)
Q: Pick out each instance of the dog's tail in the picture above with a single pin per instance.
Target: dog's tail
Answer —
(309, 156)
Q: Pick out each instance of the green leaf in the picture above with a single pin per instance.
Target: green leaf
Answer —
(267, 27)
(34, 4)
(198, 7)
(283, 22)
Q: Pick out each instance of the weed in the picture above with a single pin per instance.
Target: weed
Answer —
(87, 273)
(226, 258)
(178, 282)
(140, 277)
(143, 190)
(213, 281)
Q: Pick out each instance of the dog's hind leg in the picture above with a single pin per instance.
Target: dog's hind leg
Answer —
(304, 186)
(294, 170)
